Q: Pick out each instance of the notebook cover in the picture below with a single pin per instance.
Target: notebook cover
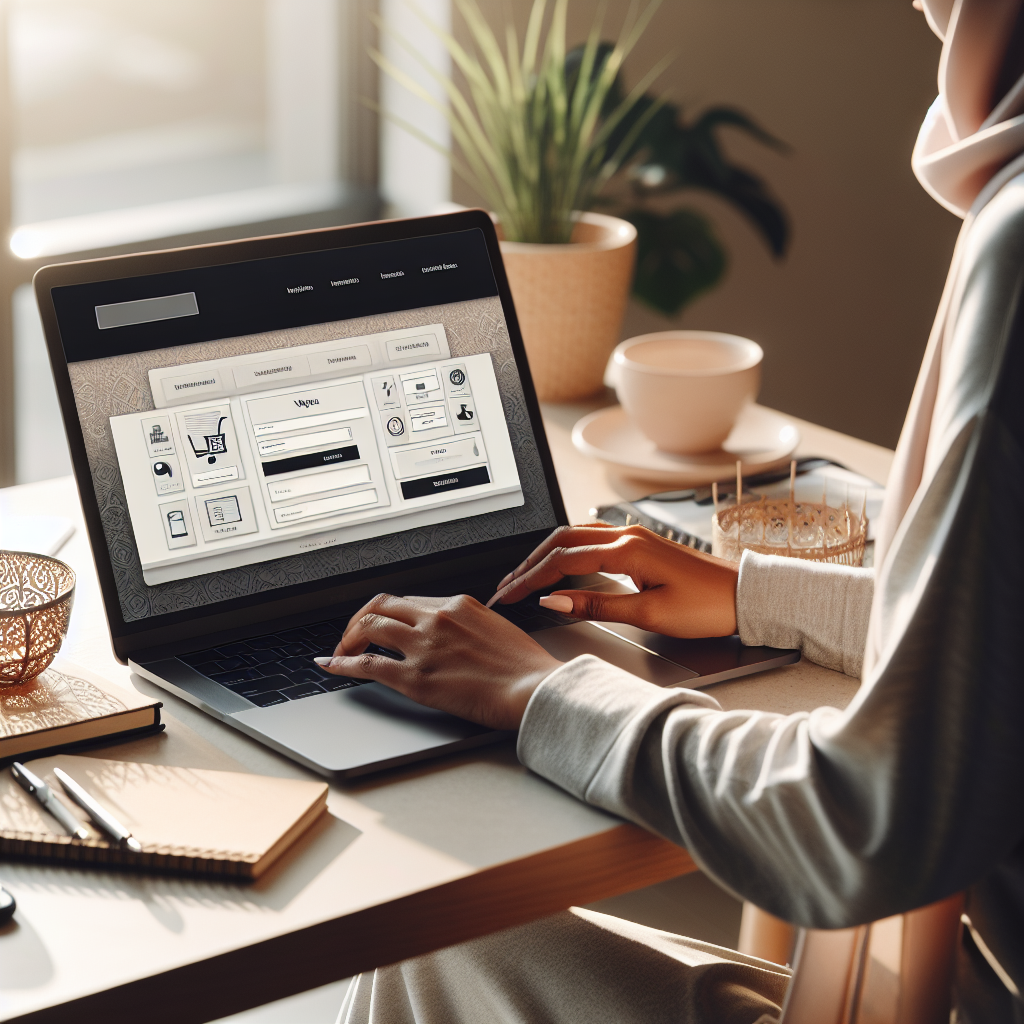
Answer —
(188, 820)
(68, 704)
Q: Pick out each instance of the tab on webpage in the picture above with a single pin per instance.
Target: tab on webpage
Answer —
(404, 348)
(287, 368)
(193, 385)
(353, 357)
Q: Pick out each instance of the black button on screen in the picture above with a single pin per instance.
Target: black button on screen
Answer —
(445, 482)
(350, 453)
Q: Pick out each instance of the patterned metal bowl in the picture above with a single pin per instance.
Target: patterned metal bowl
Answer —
(36, 595)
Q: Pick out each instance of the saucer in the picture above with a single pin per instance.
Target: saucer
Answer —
(761, 439)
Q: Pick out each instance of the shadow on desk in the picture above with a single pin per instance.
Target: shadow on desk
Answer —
(293, 872)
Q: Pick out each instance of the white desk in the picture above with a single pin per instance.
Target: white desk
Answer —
(409, 861)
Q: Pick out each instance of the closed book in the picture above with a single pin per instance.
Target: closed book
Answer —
(188, 820)
(68, 705)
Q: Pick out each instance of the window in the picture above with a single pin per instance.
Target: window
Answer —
(145, 123)
(138, 120)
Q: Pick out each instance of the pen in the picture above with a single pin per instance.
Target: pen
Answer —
(99, 814)
(34, 786)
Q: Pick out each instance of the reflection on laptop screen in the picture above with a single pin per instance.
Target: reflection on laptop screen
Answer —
(256, 425)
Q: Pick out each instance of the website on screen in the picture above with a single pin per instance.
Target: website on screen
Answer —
(231, 464)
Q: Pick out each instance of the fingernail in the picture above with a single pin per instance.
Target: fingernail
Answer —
(557, 603)
(498, 595)
(323, 662)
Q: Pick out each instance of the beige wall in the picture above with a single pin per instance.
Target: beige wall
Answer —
(844, 318)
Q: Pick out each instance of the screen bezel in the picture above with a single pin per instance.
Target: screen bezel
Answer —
(178, 628)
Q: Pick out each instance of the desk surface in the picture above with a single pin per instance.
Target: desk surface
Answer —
(408, 860)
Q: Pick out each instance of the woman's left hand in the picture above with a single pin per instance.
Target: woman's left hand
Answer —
(459, 656)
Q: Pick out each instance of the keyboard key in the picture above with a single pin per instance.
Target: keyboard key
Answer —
(332, 683)
(272, 668)
(264, 643)
(199, 658)
(322, 629)
(232, 650)
(265, 700)
(242, 675)
(263, 657)
(300, 691)
(232, 664)
(294, 664)
(305, 675)
(512, 612)
(264, 685)
(291, 636)
(294, 650)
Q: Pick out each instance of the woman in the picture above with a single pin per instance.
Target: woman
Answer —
(828, 819)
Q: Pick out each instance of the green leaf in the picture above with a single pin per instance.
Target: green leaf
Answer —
(678, 258)
(691, 156)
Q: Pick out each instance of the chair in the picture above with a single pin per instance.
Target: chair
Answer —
(895, 971)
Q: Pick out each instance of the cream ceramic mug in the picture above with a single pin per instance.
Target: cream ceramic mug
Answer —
(685, 389)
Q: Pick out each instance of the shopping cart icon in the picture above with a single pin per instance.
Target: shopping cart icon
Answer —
(204, 433)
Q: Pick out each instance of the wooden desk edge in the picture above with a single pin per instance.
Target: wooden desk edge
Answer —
(480, 903)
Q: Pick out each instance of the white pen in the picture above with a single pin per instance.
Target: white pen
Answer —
(34, 786)
(99, 814)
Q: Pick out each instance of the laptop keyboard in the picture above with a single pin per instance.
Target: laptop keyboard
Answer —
(279, 667)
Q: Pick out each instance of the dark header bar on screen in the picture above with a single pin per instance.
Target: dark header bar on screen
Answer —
(275, 294)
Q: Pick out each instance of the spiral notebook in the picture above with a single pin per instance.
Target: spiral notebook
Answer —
(188, 820)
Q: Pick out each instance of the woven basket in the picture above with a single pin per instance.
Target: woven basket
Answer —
(570, 301)
(798, 529)
(36, 595)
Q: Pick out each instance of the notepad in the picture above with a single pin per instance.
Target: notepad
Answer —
(188, 820)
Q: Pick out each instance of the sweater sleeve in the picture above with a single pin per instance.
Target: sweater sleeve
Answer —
(821, 610)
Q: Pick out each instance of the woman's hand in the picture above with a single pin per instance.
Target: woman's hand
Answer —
(683, 592)
(458, 656)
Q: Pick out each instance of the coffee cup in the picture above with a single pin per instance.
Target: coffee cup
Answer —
(685, 389)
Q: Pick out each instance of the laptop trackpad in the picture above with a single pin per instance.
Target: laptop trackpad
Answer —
(365, 725)
(568, 642)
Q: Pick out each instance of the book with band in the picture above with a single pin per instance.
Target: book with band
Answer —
(67, 706)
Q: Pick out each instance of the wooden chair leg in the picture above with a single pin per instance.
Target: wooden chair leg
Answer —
(926, 969)
(764, 936)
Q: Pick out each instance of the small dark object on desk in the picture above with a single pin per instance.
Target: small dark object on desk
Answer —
(7, 906)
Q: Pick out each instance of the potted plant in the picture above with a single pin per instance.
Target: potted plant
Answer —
(541, 131)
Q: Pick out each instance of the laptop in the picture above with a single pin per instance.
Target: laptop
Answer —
(267, 432)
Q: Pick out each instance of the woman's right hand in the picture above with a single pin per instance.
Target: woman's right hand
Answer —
(682, 592)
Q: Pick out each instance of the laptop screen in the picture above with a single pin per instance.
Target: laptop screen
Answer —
(257, 425)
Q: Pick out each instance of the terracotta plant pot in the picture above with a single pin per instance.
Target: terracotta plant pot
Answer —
(570, 300)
